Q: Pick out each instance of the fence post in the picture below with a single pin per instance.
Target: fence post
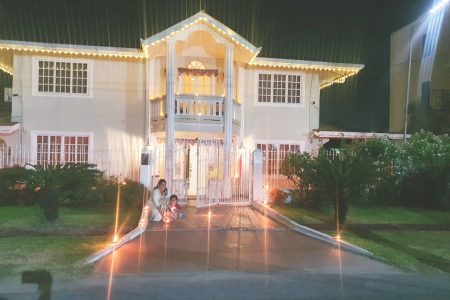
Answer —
(257, 178)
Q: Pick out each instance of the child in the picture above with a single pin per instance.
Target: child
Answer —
(174, 208)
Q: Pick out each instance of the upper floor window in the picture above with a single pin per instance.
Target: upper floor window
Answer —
(59, 76)
(196, 79)
(279, 88)
(196, 65)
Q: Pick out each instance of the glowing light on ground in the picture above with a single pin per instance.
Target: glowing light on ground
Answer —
(111, 272)
(115, 239)
(116, 235)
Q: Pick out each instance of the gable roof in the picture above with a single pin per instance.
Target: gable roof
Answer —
(201, 16)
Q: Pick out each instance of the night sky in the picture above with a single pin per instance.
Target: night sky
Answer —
(348, 31)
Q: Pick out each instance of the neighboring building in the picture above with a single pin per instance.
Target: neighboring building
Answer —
(429, 39)
(197, 93)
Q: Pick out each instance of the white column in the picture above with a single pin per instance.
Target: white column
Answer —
(170, 110)
(228, 119)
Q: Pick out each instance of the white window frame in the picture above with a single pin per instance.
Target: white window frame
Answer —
(277, 144)
(35, 77)
(35, 133)
(280, 104)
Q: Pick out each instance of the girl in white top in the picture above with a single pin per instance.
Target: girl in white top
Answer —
(158, 202)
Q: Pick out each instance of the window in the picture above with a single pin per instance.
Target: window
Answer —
(57, 149)
(294, 89)
(264, 87)
(197, 83)
(274, 154)
(279, 88)
(62, 77)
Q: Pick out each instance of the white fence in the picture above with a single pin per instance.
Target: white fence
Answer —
(113, 162)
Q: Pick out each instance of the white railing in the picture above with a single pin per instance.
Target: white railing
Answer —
(199, 107)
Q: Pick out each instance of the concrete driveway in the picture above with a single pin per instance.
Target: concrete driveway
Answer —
(232, 239)
(237, 253)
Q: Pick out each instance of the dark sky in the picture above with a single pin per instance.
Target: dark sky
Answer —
(351, 31)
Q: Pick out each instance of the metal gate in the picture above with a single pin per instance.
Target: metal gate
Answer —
(199, 172)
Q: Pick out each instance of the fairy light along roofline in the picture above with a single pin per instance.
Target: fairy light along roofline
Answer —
(6, 69)
(342, 71)
(67, 49)
(200, 17)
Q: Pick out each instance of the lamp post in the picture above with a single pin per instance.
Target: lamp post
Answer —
(408, 85)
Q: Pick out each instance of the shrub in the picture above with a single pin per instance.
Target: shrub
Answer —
(13, 188)
(276, 196)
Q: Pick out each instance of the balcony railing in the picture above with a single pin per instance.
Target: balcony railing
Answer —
(192, 108)
(208, 108)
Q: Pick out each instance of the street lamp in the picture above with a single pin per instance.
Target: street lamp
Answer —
(438, 6)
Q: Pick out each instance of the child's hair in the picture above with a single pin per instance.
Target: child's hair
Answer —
(173, 197)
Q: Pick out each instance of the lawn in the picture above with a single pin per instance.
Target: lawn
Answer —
(412, 250)
(71, 219)
(74, 236)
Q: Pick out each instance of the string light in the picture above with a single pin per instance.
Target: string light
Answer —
(6, 69)
(71, 51)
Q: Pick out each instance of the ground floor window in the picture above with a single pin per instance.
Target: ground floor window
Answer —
(59, 149)
(274, 154)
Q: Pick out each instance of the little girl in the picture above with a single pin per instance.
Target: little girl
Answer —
(174, 208)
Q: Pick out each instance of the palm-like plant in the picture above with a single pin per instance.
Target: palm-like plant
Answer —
(52, 181)
(339, 176)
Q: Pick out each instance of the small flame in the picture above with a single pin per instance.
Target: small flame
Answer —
(115, 239)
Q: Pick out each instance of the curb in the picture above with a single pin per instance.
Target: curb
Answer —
(268, 211)
(143, 222)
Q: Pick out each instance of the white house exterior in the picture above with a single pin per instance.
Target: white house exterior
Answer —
(197, 94)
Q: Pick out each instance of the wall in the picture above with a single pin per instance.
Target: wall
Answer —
(279, 122)
(114, 113)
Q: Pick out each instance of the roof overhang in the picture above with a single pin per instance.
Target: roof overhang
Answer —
(356, 135)
(330, 73)
(8, 47)
(204, 18)
(9, 129)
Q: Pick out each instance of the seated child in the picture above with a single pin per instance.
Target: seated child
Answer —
(174, 208)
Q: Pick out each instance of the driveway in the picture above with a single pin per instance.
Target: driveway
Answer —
(237, 253)
(231, 239)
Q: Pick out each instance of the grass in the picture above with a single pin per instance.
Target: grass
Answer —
(60, 255)
(31, 218)
(66, 245)
(412, 250)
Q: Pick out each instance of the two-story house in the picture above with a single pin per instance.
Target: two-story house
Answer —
(197, 94)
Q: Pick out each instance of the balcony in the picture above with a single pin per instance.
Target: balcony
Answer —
(194, 113)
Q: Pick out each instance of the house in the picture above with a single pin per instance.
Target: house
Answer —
(197, 94)
(420, 51)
